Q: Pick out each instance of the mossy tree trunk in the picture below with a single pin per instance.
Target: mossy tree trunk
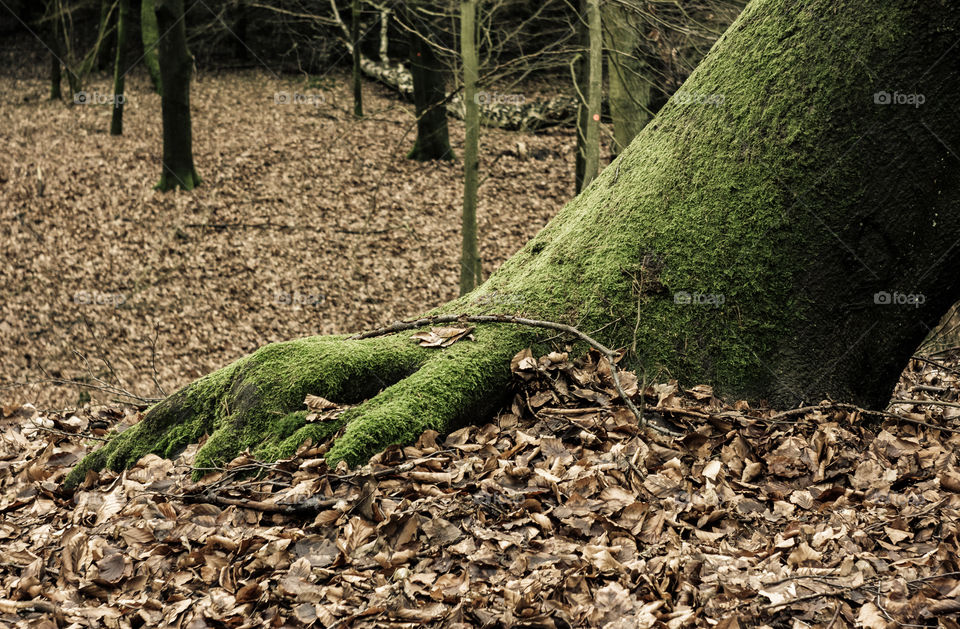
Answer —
(176, 67)
(120, 68)
(150, 37)
(628, 76)
(429, 95)
(792, 239)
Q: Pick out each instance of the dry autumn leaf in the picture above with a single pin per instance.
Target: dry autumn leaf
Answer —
(443, 336)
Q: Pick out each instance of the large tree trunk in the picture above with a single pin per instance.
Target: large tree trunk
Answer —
(176, 66)
(429, 95)
(748, 241)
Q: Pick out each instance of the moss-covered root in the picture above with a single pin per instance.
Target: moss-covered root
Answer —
(256, 402)
(457, 385)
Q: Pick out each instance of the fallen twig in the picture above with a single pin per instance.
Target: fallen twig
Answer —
(36, 605)
(926, 402)
(803, 410)
(311, 506)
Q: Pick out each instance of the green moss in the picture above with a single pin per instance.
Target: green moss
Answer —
(253, 402)
(457, 385)
(714, 199)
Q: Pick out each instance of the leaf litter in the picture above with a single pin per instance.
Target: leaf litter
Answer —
(561, 512)
(308, 222)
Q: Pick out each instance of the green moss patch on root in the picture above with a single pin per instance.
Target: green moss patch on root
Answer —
(254, 402)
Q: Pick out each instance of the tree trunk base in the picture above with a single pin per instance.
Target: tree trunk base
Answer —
(187, 180)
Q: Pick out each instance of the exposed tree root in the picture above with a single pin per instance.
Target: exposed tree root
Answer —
(257, 403)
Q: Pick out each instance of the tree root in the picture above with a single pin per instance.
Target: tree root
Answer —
(402, 389)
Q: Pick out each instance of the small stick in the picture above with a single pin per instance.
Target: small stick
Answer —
(926, 402)
(924, 359)
(852, 407)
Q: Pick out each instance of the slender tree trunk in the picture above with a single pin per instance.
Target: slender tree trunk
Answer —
(120, 68)
(241, 49)
(790, 237)
(629, 78)
(150, 35)
(470, 265)
(176, 65)
(384, 35)
(589, 87)
(55, 93)
(56, 52)
(429, 94)
(355, 38)
(103, 54)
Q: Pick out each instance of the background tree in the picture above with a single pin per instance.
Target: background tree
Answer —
(589, 81)
(753, 243)
(429, 88)
(78, 50)
(355, 54)
(150, 35)
(630, 79)
(50, 26)
(651, 49)
(176, 68)
(470, 265)
(120, 67)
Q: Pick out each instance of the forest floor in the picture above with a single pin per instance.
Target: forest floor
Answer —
(308, 222)
(558, 513)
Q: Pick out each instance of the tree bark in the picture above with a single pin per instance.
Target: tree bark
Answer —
(789, 237)
(628, 76)
(588, 84)
(470, 266)
(176, 66)
(55, 93)
(429, 95)
(120, 68)
(355, 38)
(150, 36)
(56, 52)
(103, 52)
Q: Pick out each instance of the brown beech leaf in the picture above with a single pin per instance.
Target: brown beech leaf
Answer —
(443, 336)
